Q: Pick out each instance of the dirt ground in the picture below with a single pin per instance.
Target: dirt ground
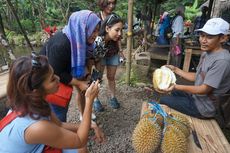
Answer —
(117, 125)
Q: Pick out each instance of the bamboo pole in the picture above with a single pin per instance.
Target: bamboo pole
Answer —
(129, 40)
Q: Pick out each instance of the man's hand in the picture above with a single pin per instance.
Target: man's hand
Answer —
(171, 88)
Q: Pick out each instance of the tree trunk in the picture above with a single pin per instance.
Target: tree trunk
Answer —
(2, 31)
(5, 44)
(41, 8)
(33, 14)
(129, 40)
(10, 56)
(20, 26)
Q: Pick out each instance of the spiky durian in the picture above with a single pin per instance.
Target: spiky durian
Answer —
(146, 136)
(181, 126)
(152, 115)
(174, 141)
(182, 118)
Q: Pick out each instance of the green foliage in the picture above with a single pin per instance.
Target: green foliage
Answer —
(133, 78)
(19, 40)
(27, 24)
(123, 7)
(192, 11)
(170, 6)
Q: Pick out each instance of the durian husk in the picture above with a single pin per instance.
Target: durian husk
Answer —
(146, 136)
(179, 125)
(151, 115)
(174, 141)
(182, 118)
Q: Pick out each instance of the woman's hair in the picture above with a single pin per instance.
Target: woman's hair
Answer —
(109, 21)
(103, 4)
(24, 90)
(180, 10)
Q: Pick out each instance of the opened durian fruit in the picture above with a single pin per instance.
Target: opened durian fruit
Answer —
(163, 78)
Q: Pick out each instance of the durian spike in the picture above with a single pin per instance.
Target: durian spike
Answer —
(182, 118)
(176, 123)
(146, 136)
(173, 140)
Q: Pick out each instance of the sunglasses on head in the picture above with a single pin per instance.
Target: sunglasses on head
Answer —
(35, 65)
(35, 60)
(112, 16)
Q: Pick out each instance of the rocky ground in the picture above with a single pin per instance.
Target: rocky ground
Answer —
(117, 125)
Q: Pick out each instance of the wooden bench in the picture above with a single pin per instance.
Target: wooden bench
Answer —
(160, 52)
(210, 136)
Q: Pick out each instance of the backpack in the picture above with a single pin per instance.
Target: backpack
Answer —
(168, 33)
(222, 104)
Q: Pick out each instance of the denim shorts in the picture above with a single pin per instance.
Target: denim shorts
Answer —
(111, 61)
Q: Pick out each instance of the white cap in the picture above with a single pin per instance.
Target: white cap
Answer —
(215, 26)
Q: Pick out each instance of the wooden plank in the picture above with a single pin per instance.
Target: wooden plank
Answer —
(192, 47)
(210, 136)
(187, 59)
(160, 46)
(3, 84)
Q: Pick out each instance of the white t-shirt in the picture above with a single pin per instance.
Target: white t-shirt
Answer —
(178, 26)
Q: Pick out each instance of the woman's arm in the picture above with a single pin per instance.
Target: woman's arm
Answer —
(49, 133)
(82, 85)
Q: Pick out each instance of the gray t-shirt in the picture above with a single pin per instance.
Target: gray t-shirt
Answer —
(213, 70)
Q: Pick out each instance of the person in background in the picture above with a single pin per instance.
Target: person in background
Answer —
(211, 78)
(31, 78)
(164, 23)
(66, 52)
(200, 20)
(175, 42)
(107, 7)
(109, 37)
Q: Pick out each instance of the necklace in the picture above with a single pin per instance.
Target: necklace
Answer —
(103, 16)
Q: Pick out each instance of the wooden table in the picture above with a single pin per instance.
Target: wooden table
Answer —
(189, 51)
(210, 136)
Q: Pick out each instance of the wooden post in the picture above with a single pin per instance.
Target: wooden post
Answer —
(129, 40)
(210, 8)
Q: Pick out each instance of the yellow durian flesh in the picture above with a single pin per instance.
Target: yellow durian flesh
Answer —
(146, 136)
(163, 77)
(173, 76)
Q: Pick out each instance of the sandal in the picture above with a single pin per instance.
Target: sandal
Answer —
(113, 102)
(97, 106)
